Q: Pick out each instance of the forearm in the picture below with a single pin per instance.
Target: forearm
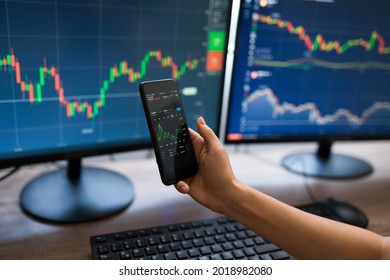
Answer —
(303, 235)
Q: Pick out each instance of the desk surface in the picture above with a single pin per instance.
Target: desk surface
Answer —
(22, 237)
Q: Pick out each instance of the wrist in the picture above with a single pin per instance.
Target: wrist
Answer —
(233, 198)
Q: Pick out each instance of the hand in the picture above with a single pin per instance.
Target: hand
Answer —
(212, 185)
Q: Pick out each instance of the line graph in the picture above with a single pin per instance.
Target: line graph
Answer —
(315, 116)
(305, 63)
(163, 135)
(375, 40)
(34, 89)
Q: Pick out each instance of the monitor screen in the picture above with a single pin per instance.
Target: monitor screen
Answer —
(70, 69)
(310, 70)
(69, 76)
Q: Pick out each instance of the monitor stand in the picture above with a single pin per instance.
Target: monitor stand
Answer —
(76, 194)
(326, 164)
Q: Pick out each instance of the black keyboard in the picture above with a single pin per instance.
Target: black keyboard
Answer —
(211, 239)
(217, 238)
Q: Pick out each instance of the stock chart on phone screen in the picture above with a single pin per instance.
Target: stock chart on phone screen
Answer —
(169, 123)
(311, 68)
(69, 70)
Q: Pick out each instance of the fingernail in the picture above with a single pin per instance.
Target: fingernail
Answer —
(201, 121)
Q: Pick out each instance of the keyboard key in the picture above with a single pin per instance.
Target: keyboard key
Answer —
(103, 250)
(101, 239)
(240, 227)
(119, 236)
(230, 228)
(108, 257)
(162, 248)
(216, 248)
(220, 230)
(144, 232)
(156, 231)
(223, 220)
(165, 239)
(174, 247)
(227, 246)
(116, 247)
(238, 244)
(227, 256)
(219, 239)
(185, 226)
(157, 257)
(137, 253)
(198, 234)
(173, 228)
(182, 255)
(140, 243)
(258, 240)
(207, 223)
(249, 243)
(266, 257)
(151, 251)
(125, 255)
(240, 235)
(132, 234)
(216, 257)
(193, 253)
(230, 237)
(176, 237)
(205, 251)
(209, 241)
(128, 245)
(239, 254)
(280, 255)
(249, 252)
(152, 241)
(196, 224)
(266, 248)
(188, 235)
(198, 242)
(170, 256)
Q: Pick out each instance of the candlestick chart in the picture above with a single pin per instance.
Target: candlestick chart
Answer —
(70, 71)
(34, 89)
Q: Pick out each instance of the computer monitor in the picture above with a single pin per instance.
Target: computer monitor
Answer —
(69, 75)
(311, 71)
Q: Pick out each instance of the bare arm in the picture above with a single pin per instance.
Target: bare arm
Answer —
(303, 235)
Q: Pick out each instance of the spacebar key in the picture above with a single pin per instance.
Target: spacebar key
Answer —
(266, 248)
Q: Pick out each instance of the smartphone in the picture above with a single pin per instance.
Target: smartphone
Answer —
(168, 129)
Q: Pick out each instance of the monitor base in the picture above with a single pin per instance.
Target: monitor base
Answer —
(94, 194)
(335, 166)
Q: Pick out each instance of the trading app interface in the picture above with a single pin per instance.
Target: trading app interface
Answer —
(170, 129)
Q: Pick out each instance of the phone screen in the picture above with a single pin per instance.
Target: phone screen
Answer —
(169, 130)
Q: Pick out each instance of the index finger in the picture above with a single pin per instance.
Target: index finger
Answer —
(197, 142)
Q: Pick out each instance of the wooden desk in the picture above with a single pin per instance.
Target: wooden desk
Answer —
(22, 237)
